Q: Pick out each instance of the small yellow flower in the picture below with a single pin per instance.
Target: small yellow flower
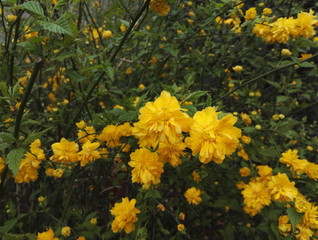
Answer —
(193, 196)
(258, 127)
(245, 172)
(237, 68)
(286, 52)
(267, 11)
(41, 199)
(250, 13)
(161, 207)
(189, 3)
(93, 221)
(66, 231)
(11, 18)
(128, 71)
(181, 216)
(123, 28)
(180, 227)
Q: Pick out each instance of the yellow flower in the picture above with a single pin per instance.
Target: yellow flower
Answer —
(111, 134)
(193, 196)
(81, 238)
(237, 68)
(87, 134)
(301, 203)
(161, 207)
(11, 18)
(57, 173)
(256, 196)
(141, 87)
(264, 30)
(2, 165)
(160, 7)
(128, 71)
(48, 235)
(41, 199)
(282, 29)
(211, 137)
(264, 172)
(311, 170)
(147, 167)
(196, 176)
(246, 139)
(305, 56)
(288, 157)
(64, 151)
(245, 172)
(304, 24)
(243, 154)
(123, 28)
(283, 224)
(286, 52)
(28, 170)
(181, 216)
(303, 233)
(246, 119)
(125, 215)
(107, 34)
(161, 120)
(171, 152)
(281, 189)
(93, 221)
(267, 11)
(66, 231)
(89, 153)
(310, 217)
(250, 13)
(180, 227)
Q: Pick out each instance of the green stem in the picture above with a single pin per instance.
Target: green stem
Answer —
(26, 95)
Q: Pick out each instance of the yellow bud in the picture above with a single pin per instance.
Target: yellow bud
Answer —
(66, 231)
(258, 127)
(41, 199)
(237, 68)
(286, 52)
(93, 221)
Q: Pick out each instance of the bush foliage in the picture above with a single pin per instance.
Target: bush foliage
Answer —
(158, 119)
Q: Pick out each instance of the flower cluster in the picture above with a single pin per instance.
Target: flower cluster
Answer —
(299, 166)
(28, 170)
(260, 191)
(284, 28)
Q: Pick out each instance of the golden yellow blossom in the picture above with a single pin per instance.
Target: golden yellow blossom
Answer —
(125, 214)
(193, 196)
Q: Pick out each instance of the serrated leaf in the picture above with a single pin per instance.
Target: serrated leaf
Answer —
(7, 138)
(8, 225)
(4, 146)
(128, 116)
(275, 84)
(294, 216)
(34, 8)
(60, 26)
(110, 72)
(306, 65)
(14, 159)
(60, 4)
(195, 95)
(32, 136)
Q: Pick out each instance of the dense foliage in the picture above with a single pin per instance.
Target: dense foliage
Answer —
(158, 119)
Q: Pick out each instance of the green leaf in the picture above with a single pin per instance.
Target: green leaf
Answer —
(8, 225)
(195, 95)
(32, 136)
(75, 76)
(128, 116)
(60, 4)
(14, 159)
(4, 146)
(7, 138)
(142, 234)
(4, 89)
(60, 26)
(306, 65)
(294, 216)
(34, 8)
(110, 72)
